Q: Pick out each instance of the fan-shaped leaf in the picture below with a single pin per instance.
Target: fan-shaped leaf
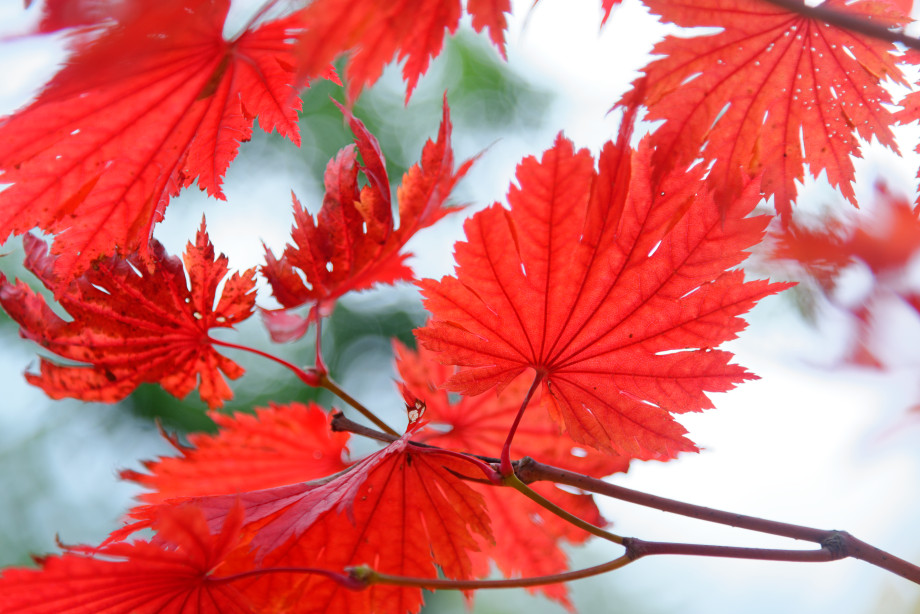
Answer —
(769, 92)
(614, 295)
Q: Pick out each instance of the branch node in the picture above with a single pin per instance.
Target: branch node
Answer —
(522, 469)
(635, 548)
(337, 424)
(838, 544)
(358, 578)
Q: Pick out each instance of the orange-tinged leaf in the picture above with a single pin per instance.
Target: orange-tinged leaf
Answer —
(157, 101)
(354, 243)
(479, 425)
(133, 322)
(172, 575)
(615, 295)
(769, 92)
(281, 444)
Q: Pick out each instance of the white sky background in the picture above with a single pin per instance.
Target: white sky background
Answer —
(807, 445)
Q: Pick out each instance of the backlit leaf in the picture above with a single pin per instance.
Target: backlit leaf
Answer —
(157, 101)
(132, 322)
(401, 510)
(479, 425)
(281, 444)
(354, 243)
(769, 92)
(615, 295)
(376, 32)
(173, 575)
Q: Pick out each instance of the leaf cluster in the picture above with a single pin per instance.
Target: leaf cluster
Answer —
(585, 314)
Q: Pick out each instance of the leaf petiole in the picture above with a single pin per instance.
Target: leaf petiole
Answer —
(326, 382)
(307, 376)
(515, 482)
(491, 474)
(346, 580)
(315, 378)
(506, 467)
(369, 576)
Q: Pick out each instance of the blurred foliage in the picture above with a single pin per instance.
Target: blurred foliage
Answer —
(482, 92)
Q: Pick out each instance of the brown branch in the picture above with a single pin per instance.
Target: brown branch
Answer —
(369, 576)
(340, 423)
(326, 382)
(848, 21)
(529, 469)
(637, 548)
(840, 543)
(835, 545)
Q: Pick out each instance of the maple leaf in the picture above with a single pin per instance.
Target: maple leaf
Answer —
(608, 6)
(159, 100)
(614, 295)
(376, 32)
(354, 244)
(172, 575)
(400, 510)
(61, 14)
(910, 105)
(479, 425)
(133, 322)
(772, 90)
(282, 444)
(885, 242)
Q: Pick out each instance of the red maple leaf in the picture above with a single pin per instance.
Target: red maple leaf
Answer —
(377, 32)
(282, 444)
(885, 240)
(133, 321)
(402, 511)
(613, 294)
(608, 6)
(172, 575)
(354, 244)
(479, 425)
(770, 91)
(910, 105)
(62, 14)
(159, 100)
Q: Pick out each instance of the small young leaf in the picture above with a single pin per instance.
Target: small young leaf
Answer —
(354, 242)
